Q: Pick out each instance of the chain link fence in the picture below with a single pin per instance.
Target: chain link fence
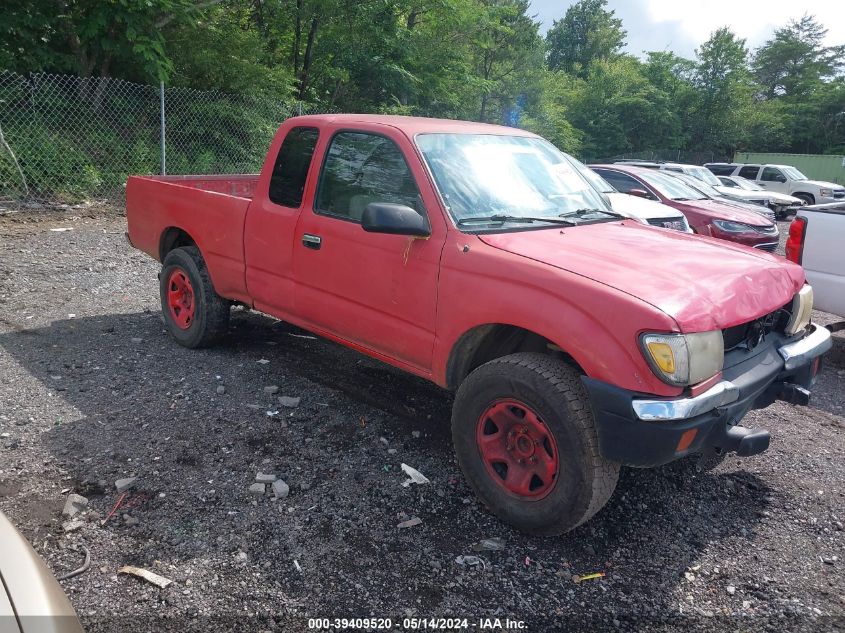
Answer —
(67, 140)
(687, 157)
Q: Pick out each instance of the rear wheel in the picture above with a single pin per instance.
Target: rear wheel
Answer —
(195, 314)
(526, 443)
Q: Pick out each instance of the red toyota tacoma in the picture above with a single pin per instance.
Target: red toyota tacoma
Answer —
(477, 257)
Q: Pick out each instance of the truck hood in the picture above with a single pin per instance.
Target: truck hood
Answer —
(727, 210)
(819, 183)
(777, 196)
(703, 283)
(742, 194)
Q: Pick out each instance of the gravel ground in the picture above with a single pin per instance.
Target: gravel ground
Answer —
(93, 390)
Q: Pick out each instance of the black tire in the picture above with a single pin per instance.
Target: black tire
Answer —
(553, 390)
(806, 197)
(210, 317)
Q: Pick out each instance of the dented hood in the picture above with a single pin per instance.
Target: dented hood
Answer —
(703, 283)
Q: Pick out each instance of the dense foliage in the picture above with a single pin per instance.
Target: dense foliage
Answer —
(475, 59)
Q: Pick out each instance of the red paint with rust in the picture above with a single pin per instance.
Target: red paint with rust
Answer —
(591, 290)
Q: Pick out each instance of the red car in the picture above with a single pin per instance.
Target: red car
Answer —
(479, 258)
(705, 216)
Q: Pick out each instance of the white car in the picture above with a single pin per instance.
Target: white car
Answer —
(780, 203)
(783, 179)
(634, 207)
(815, 241)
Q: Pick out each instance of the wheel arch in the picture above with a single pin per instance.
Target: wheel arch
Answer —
(174, 237)
(489, 341)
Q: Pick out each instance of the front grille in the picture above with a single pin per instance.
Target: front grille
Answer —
(768, 246)
(772, 229)
(749, 335)
(839, 194)
(676, 224)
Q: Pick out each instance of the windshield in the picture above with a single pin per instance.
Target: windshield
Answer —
(670, 186)
(599, 183)
(748, 185)
(793, 174)
(703, 174)
(698, 185)
(483, 175)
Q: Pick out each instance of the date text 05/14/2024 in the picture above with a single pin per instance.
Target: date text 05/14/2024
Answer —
(417, 624)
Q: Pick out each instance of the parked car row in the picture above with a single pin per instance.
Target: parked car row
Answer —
(781, 205)
(706, 215)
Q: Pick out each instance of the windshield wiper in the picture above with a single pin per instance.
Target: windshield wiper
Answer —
(502, 218)
(582, 212)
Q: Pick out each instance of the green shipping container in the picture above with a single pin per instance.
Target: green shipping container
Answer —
(826, 167)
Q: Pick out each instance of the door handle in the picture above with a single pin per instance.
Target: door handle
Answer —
(312, 241)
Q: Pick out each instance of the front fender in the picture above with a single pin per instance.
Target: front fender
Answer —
(597, 325)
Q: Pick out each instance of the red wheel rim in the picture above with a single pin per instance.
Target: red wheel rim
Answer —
(518, 449)
(180, 298)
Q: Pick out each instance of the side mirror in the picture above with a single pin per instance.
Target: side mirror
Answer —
(640, 193)
(781, 178)
(394, 219)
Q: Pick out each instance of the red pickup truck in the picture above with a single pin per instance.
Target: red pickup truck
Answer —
(477, 257)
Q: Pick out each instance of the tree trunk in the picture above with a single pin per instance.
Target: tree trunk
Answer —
(297, 37)
(306, 60)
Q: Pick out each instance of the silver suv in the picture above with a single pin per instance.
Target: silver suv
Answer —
(783, 179)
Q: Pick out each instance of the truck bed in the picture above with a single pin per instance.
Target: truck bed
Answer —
(211, 210)
(237, 185)
(823, 258)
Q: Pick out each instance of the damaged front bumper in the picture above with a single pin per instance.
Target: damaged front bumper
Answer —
(638, 430)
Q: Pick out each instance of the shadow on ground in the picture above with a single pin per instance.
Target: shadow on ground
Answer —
(150, 408)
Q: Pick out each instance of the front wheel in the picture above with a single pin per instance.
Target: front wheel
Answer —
(195, 314)
(526, 443)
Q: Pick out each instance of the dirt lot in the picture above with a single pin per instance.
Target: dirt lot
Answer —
(93, 390)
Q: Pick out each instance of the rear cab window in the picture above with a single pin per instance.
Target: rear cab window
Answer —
(772, 174)
(749, 171)
(621, 182)
(287, 182)
(360, 168)
(721, 170)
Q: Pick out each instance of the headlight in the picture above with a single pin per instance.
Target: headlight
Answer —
(802, 306)
(826, 193)
(684, 359)
(733, 227)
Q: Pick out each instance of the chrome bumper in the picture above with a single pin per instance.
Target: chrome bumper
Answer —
(794, 355)
(719, 395)
(801, 352)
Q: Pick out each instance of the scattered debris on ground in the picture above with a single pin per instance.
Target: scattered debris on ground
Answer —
(85, 406)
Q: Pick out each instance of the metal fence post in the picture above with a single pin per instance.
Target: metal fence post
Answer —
(299, 108)
(163, 148)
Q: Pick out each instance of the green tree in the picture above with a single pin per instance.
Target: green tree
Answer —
(725, 92)
(795, 59)
(588, 32)
(93, 38)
